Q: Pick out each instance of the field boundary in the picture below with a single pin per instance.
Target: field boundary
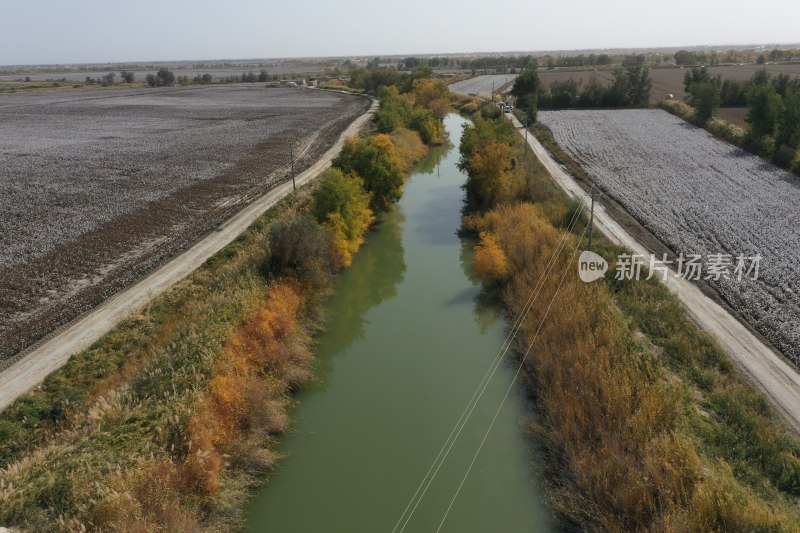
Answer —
(27, 369)
(766, 368)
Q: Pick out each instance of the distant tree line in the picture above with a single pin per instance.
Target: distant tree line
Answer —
(712, 58)
(579, 60)
(165, 77)
(630, 88)
(371, 78)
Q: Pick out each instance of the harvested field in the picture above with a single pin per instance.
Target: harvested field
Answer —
(100, 187)
(699, 196)
(734, 115)
(484, 84)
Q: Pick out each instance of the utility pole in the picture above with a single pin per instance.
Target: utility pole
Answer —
(526, 133)
(291, 156)
(591, 223)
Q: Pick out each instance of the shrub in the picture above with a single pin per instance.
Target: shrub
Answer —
(489, 174)
(784, 156)
(341, 206)
(490, 260)
(410, 148)
(300, 248)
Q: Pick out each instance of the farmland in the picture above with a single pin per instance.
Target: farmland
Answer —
(98, 187)
(484, 84)
(665, 81)
(699, 196)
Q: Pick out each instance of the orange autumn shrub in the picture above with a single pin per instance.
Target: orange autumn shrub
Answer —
(263, 359)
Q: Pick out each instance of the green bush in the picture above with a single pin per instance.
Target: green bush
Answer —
(374, 159)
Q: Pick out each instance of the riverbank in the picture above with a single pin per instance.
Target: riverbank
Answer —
(170, 421)
(645, 422)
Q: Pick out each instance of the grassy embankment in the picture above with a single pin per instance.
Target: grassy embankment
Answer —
(169, 421)
(643, 421)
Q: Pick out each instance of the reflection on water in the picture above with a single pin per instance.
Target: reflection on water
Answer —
(371, 279)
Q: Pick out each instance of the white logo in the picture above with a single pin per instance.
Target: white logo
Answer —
(591, 266)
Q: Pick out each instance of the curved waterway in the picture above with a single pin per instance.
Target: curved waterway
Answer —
(407, 344)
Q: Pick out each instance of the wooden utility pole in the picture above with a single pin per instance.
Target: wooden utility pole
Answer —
(526, 134)
(291, 156)
(591, 223)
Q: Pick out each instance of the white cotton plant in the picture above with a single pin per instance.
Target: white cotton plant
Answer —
(699, 195)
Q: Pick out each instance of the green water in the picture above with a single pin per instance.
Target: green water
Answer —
(405, 348)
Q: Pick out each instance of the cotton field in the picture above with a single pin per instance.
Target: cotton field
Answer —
(699, 196)
(99, 187)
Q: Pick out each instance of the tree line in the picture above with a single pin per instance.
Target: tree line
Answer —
(712, 58)
(630, 87)
(165, 78)
(773, 110)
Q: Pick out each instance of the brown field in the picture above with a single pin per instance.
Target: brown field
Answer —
(734, 115)
(101, 187)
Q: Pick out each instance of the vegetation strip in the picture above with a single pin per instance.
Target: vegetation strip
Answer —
(644, 422)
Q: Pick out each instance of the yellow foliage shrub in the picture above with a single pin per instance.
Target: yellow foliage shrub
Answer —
(409, 145)
(490, 260)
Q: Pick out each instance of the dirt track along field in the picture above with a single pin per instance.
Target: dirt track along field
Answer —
(100, 187)
(699, 195)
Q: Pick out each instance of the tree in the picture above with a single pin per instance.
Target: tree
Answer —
(563, 94)
(126, 76)
(108, 79)
(341, 206)
(489, 174)
(695, 75)
(619, 92)
(762, 110)
(526, 83)
(530, 104)
(374, 159)
(165, 77)
(705, 99)
(639, 85)
(788, 122)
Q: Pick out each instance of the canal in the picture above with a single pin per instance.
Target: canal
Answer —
(407, 344)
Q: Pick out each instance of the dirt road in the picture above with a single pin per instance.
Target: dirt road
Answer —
(30, 370)
(767, 369)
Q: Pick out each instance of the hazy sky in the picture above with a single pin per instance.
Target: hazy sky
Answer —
(65, 31)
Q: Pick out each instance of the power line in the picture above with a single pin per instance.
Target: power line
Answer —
(510, 386)
(468, 410)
